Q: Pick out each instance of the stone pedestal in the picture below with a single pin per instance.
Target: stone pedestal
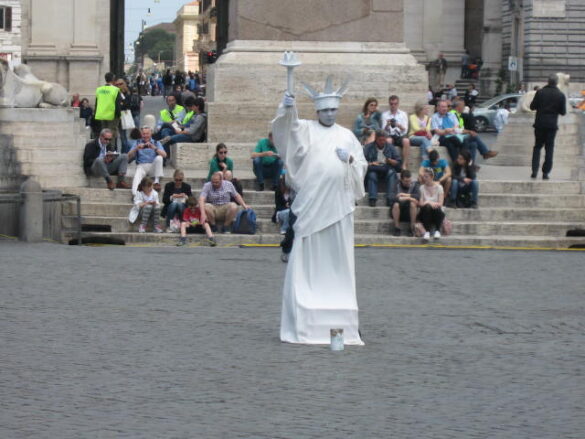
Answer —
(46, 144)
(247, 83)
(358, 38)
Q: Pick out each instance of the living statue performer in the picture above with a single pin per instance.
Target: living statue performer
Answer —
(325, 167)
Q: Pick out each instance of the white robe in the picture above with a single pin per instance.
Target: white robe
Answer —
(319, 288)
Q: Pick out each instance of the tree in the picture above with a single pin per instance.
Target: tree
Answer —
(157, 44)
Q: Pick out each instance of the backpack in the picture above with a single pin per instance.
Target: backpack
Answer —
(245, 222)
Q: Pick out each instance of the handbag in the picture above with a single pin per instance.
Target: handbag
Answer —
(175, 225)
(419, 230)
(127, 120)
(422, 133)
(133, 215)
(446, 227)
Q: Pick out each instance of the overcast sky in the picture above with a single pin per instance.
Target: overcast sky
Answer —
(162, 11)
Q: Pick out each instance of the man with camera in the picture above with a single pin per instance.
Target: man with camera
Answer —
(101, 158)
(395, 123)
(149, 155)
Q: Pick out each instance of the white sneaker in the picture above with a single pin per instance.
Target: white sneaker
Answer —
(141, 229)
(437, 234)
(427, 236)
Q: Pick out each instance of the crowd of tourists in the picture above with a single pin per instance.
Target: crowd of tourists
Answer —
(387, 137)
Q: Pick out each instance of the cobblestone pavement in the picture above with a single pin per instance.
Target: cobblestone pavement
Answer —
(183, 343)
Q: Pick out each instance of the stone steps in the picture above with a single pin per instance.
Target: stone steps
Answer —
(170, 239)
(521, 215)
(375, 226)
(246, 178)
(267, 197)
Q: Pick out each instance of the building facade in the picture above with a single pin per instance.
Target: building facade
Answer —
(520, 42)
(10, 31)
(187, 26)
(67, 41)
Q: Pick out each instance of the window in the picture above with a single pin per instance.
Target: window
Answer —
(5, 18)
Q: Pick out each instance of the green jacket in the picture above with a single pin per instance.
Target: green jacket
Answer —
(165, 114)
(214, 166)
(107, 102)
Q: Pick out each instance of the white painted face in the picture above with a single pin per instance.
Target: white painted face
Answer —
(327, 116)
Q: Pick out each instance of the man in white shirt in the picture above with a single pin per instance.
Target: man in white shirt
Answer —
(395, 123)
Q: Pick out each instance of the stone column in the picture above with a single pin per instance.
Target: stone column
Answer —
(358, 38)
(491, 47)
(31, 212)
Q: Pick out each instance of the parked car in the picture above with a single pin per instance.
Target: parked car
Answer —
(485, 112)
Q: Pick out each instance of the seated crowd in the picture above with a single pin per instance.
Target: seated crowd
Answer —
(387, 138)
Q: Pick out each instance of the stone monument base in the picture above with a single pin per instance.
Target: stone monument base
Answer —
(246, 84)
(46, 144)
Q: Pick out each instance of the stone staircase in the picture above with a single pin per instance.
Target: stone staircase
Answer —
(514, 212)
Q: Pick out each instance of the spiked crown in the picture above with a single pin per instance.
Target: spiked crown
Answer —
(329, 98)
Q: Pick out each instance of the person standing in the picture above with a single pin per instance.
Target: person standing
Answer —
(441, 67)
(325, 168)
(548, 103)
(107, 105)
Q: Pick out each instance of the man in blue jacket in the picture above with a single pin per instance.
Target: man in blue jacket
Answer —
(383, 163)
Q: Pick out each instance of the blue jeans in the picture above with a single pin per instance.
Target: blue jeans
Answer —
(282, 218)
(376, 172)
(474, 144)
(457, 186)
(173, 210)
(124, 139)
(262, 171)
(424, 144)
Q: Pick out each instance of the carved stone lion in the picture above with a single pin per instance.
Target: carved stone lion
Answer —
(22, 89)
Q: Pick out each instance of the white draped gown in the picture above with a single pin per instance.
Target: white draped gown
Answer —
(319, 290)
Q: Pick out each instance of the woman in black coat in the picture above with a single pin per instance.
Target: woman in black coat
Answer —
(174, 197)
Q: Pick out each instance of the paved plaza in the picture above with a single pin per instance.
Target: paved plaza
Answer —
(135, 342)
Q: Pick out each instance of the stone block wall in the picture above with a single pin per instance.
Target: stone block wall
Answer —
(551, 39)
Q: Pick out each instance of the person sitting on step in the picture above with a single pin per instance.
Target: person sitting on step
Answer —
(173, 114)
(193, 127)
(472, 142)
(266, 162)
(146, 199)
(216, 205)
(440, 167)
(405, 202)
(101, 158)
(367, 122)
(149, 159)
(174, 197)
(464, 185)
(191, 223)
(419, 132)
(431, 213)
(220, 162)
(383, 163)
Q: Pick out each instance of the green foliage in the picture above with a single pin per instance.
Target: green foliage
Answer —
(154, 43)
